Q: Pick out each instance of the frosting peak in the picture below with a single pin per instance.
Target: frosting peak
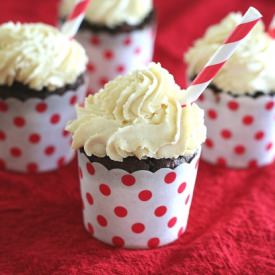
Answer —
(39, 56)
(139, 115)
(112, 12)
(251, 67)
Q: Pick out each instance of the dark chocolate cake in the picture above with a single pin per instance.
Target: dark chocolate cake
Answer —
(23, 92)
(132, 164)
(257, 94)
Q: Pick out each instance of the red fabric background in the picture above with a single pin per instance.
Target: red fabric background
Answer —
(232, 222)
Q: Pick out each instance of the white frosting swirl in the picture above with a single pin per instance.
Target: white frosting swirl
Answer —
(112, 12)
(250, 69)
(39, 56)
(139, 115)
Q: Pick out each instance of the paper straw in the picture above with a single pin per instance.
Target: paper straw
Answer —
(215, 63)
(271, 30)
(72, 24)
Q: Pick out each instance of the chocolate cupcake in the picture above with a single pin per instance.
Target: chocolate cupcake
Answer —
(239, 102)
(138, 156)
(41, 80)
(117, 35)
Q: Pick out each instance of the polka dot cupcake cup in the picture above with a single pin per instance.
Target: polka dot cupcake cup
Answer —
(140, 210)
(32, 136)
(111, 55)
(241, 130)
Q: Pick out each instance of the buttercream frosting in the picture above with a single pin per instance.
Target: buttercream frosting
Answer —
(112, 12)
(39, 56)
(251, 67)
(139, 115)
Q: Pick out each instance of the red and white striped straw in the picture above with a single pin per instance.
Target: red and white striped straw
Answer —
(271, 29)
(72, 24)
(215, 63)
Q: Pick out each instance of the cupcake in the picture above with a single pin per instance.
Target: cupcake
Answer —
(239, 103)
(138, 153)
(41, 79)
(117, 35)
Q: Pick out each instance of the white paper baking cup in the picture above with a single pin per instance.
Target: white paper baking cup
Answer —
(241, 131)
(32, 136)
(140, 210)
(111, 55)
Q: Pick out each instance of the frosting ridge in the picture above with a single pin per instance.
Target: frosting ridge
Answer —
(39, 56)
(250, 68)
(112, 13)
(139, 115)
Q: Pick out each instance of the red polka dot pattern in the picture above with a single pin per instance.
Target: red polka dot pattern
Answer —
(73, 100)
(172, 222)
(111, 55)
(142, 209)
(90, 198)
(120, 211)
(16, 152)
(170, 177)
(102, 221)
(160, 211)
(238, 129)
(28, 128)
(90, 229)
(3, 106)
(182, 187)
(90, 168)
(252, 163)
(187, 199)
(248, 120)
(269, 105)
(2, 135)
(41, 107)
(221, 161)
(19, 121)
(212, 114)
(55, 118)
(128, 180)
(226, 134)
(233, 105)
(259, 135)
(34, 138)
(153, 243)
(209, 143)
(239, 149)
(138, 228)
(118, 241)
(145, 195)
(49, 150)
(95, 40)
(108, 54)
(105, 189)
(32, 167)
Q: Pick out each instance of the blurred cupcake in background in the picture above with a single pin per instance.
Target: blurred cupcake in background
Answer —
(41, 80)
(118, 36)
(239, 104)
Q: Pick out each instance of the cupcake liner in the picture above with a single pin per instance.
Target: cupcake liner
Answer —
(241, 130)
(32, 136)
(115, 54)
(140, 210)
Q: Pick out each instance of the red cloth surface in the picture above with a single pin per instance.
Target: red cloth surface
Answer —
(232, 221)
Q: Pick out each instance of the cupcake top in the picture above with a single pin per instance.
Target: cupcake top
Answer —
(39, 56)
(112, 13)
(139, 115)
(251, 67)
